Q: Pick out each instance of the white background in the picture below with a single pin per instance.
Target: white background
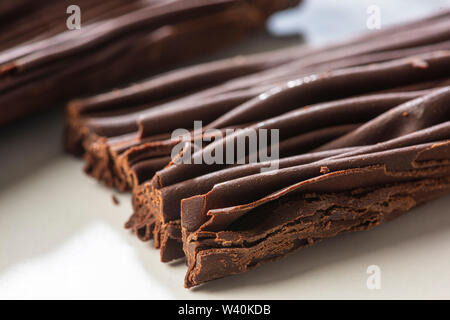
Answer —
(62, 237)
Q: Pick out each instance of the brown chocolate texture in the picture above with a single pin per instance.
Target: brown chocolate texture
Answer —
(119, 41)
(395, 161)
(301, 131)
(124, 127)
(364, 137)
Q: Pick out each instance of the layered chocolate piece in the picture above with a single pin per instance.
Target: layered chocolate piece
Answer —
(119, 41)
(314, 115)
(392, 163)
(363, 130)
(313, 96)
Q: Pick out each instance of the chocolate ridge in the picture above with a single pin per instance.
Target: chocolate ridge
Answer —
(300, 222)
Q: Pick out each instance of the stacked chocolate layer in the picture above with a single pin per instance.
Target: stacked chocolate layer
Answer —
(363, 137)
(157, 203)
(119, 41)
(239, 218)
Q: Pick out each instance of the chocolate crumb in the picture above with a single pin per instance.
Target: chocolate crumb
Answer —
(324, 169)
(405, 114)
(115, 200)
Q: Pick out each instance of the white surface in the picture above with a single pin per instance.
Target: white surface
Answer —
(329, 20)
(62, 237)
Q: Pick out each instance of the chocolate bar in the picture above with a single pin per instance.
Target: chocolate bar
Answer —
(396, 161)
(119, 41)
